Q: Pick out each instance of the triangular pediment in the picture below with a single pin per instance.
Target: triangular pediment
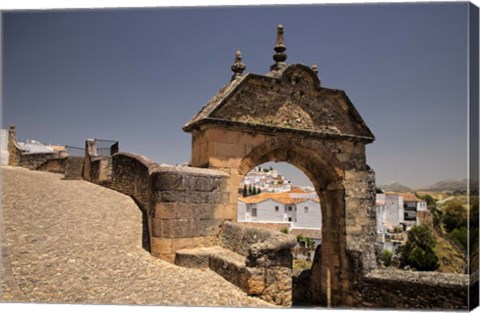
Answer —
(294, 100)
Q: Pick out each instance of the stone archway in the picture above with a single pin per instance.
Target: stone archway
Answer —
(326, 174)
(286, 115)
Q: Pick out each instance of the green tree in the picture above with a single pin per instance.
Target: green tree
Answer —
(455, 215)
(250, 190)
(460, 236)
(418, 251)
(244, 191)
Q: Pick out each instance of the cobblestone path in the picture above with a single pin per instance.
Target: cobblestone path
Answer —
(75, 242)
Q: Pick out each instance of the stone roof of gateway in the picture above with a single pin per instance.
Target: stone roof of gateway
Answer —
(287, 98)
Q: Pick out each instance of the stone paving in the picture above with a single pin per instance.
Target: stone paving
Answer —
(69, 241)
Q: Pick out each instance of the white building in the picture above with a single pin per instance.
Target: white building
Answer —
(299, 209)
(268, 180)
(395, 214)
(4, 146)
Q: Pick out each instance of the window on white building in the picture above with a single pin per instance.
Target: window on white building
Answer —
(254, 211)
(277, 208)
(305, 209)
(290, 208)
(289, 219)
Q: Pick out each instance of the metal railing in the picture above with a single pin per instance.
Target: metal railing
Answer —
(75, 151)
(106, 147)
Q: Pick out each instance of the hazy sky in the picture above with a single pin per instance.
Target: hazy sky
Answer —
(138, 75)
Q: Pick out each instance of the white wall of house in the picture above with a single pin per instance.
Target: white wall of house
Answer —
(422, 206)
(241, 211)
(380, 210)
(394, 212)
(265, 211)
(270, 210)
(309, 215)
(273, 211)
(4, 147)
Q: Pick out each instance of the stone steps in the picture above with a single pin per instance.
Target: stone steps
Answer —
(258, 261)
(74, 168)
(201, 257)
(226, 263)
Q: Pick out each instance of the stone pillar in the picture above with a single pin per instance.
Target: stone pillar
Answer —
(329, 280)
(90, 150)
(188, 209)
(14, 151)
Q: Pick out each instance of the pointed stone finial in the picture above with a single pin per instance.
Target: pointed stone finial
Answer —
(315, 68)
(238, 66)
(280, 56)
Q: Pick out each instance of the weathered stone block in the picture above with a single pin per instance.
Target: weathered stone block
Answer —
(207, 241)
(174, 228)
(182, 243)
(169, 257)
(161, 245)
(190, 196)
(208, 227)
(222, 135)
(185, 210)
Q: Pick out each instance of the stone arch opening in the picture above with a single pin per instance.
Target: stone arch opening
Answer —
(325, 173)
(280, 197)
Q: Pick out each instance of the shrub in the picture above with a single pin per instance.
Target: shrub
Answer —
(284, 230)
(455, 215)
(423, 260)
(418, 251)
(386, 257)
(460, 236)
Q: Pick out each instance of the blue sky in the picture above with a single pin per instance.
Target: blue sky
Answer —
(138, 75)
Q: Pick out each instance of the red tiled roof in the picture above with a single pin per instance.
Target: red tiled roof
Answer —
(409, 197)
(283, 197)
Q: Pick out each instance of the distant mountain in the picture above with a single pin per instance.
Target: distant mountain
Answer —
(395, 186)
(448, 185)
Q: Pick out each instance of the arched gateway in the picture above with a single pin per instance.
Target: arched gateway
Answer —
(286, 115)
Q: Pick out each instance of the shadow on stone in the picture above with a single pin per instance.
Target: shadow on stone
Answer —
(145, 234)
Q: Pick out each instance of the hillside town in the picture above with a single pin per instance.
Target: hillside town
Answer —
(270, 200)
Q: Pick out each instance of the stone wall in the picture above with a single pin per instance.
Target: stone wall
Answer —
(54, 165)
(17, 157)
(184, 206)
(34, 160)
(258, 261)
(100, 171)
(97, 169)
(131, 176)
(393, 288)
(268, 273)
(188, 209)
(14, 151)
(412, 290)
